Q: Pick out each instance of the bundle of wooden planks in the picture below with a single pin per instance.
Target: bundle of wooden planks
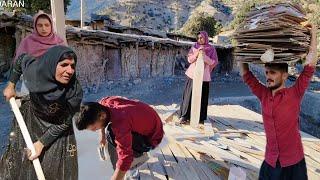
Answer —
(273, 33)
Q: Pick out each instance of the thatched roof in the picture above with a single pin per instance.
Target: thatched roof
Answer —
(116, 39)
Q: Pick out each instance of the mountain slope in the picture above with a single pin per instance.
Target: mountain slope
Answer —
(169, 15)
(91, 6)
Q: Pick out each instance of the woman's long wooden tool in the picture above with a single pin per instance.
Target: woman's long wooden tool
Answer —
(26, 137)
(197, 90)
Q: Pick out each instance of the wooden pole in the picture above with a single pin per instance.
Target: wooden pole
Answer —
(197, 91)
(57, 11)
(81, 15)
(26, 137)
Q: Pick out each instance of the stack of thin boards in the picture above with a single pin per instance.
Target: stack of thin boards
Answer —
(277, 27)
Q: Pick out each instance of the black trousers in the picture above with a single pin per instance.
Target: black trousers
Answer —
(295, 172)
(140, 144)
(185, 107)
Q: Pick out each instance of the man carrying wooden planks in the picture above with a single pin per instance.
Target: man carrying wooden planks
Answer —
(132, 128)
(284, 157)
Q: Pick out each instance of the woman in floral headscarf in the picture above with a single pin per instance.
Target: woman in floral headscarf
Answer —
(210, 60)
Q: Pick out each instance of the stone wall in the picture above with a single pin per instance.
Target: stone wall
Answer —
(105, 57)
(98, 63)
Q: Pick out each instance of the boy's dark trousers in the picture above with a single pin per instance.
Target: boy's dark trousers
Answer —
(140, 144)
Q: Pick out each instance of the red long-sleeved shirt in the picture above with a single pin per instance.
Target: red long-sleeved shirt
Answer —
(132, 116)
(280, 115)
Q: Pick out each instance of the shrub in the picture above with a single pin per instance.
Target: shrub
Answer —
(201, 23)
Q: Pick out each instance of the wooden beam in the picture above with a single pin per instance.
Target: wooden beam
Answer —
(197, 91)
(167, 166)
(58, 17)
(156, 168)
(189, 161)
(81, 15)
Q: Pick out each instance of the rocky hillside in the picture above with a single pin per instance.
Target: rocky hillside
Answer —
(169, 15)
(180, 16)
(91, 6)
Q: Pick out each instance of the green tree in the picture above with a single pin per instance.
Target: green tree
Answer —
(33, 6)
(201, 22)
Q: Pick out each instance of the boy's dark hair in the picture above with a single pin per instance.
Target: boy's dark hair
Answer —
(89, 114)
(278, 66)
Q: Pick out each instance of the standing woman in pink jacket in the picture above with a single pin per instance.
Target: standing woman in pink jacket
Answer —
(210, 60)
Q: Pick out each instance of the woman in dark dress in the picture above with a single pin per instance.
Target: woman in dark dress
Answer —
(55, 96)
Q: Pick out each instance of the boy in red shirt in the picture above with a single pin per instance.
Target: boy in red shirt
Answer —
(132, 128)
(284, 157)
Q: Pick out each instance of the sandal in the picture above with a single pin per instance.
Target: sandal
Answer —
(184, 121)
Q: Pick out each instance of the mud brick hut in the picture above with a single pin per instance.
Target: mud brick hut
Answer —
(8, 43)
(125, 53)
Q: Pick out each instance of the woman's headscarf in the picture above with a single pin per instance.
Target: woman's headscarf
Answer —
(209, 50)
(36, 45)
(39, 75)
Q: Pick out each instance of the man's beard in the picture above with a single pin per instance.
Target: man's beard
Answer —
(274, 87)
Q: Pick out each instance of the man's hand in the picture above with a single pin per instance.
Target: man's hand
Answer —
(244, 68)
(118, 175)
(312, 56)
(38, 147)
(200, 50)
(9, 91)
